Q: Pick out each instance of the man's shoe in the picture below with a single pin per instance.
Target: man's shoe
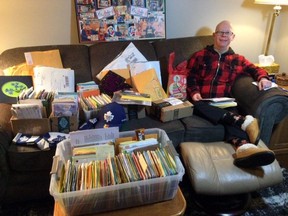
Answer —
(251, 127)
(249, 155)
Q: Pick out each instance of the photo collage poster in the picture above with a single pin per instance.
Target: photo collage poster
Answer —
(116, 20)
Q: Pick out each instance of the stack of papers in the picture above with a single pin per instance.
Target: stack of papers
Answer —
(130, 146)
(273, 85)
(132, 97)
(65, 104)
(26, 111)
(50, 78)
(77, 175)
(221, 102)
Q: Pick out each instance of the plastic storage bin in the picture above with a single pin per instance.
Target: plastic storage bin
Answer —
(117, 196)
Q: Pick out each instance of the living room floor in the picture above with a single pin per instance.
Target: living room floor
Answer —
(45, 207)
(269, 201)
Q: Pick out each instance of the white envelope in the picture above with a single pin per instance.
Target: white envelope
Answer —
(93, 136)
(54, 79)
(129, 55)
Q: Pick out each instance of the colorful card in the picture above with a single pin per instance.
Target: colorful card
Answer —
(12, 86)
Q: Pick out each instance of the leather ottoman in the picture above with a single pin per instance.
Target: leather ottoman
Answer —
(220, 186)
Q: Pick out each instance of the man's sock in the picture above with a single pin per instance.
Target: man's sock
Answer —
(252, 129)
(237, 142)
(233, 119)
(247, 121)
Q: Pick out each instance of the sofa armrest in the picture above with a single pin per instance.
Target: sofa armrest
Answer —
(4, 167)
(5, 116)
(269, 107)
(5, 140)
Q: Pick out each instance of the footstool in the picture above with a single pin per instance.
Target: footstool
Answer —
(213, 176)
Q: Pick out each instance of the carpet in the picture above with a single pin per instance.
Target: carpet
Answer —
(272, 200)
(268, 201)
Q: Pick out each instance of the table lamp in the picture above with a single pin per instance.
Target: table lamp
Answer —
(277, 7)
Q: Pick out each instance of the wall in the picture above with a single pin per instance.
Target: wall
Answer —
(40, 22)
(37, 22)
(250, 21)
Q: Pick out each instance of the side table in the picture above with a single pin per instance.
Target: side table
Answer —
(176, 206)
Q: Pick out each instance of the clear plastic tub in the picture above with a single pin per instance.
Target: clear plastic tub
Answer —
(117, 196)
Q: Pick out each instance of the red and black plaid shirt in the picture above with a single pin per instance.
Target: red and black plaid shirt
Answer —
(212, 74)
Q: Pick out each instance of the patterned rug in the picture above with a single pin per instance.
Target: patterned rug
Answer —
(272, 200)
(268, 201)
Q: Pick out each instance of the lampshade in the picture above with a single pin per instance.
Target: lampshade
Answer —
(272, 2)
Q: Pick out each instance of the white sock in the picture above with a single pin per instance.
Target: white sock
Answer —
(248, 120)
(245, 147)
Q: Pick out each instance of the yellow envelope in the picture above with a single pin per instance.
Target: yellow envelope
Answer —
(18, 70)
(147, 82)
(50, 58)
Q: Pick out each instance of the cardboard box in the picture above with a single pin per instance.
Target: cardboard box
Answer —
(64, 124)
(272, 69)
(30, 126)
(164, 111)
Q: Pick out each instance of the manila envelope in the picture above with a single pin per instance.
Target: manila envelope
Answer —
(50, 58)
(147, 82)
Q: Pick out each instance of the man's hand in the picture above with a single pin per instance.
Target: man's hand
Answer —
(197, 97)
(264, 83)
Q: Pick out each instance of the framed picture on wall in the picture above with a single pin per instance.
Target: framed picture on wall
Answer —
(118, 20)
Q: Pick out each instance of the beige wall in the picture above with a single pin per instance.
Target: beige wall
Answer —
(42, 22)
(37, 22)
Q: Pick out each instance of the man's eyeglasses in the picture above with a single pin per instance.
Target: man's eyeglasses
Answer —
(222, 33)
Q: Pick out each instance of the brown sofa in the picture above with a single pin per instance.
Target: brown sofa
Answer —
(24, 171)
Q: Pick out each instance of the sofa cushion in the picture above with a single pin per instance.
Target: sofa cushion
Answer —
(75, 57)
(174, 129)
(5, 117)
(199, 129)
(101, 54)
